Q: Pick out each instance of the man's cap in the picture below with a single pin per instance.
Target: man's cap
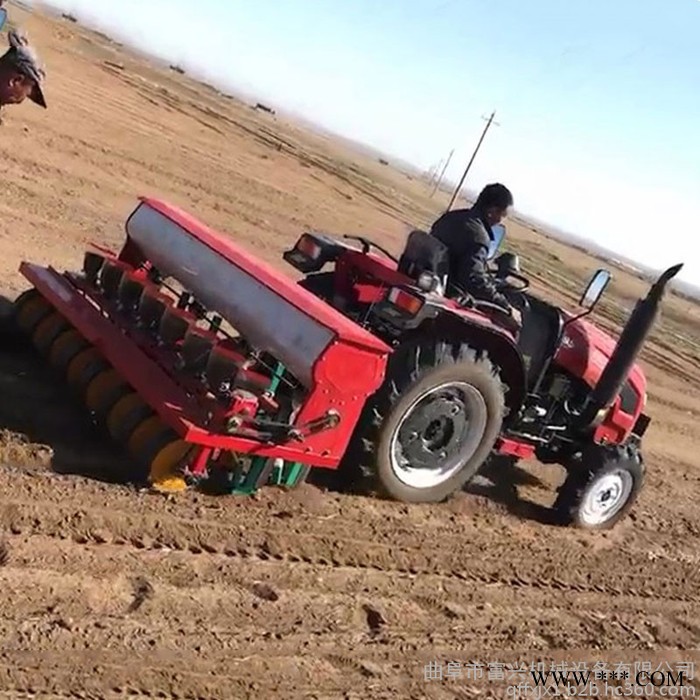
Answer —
(23, 58)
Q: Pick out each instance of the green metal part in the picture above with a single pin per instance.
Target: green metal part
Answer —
(263, 471)
(246, 483)
(276, 378)
(291, 473)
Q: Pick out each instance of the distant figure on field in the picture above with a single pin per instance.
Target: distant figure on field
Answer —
(467, 234)
(21, 73)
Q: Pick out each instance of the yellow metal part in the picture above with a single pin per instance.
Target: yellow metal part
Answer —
(81, 368)
(31, 311)
(47, 331)
(164, 468)
(103, 391)
(121, 412)
(144, 433)
(65, 348)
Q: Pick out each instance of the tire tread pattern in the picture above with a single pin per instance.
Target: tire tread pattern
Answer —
(408, 365)
(593, 461)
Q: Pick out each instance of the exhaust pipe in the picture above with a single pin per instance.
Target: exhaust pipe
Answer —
(627, 349)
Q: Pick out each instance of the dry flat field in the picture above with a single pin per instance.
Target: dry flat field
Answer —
(111, 593)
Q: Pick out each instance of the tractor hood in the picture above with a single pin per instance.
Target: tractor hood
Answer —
(585, 351)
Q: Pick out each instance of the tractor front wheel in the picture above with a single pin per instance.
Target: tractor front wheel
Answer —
(433, 422)
(600, 489)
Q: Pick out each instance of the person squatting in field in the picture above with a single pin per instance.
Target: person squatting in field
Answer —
(21, 73)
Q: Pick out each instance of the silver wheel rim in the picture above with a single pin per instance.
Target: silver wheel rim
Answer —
(421, 477)
(606, 497)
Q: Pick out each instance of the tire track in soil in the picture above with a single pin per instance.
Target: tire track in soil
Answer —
(100, 579)
(576, 569)
(189, 571)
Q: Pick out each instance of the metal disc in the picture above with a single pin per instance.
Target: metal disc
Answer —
(163, 456)
(606, 496)
(437, 434)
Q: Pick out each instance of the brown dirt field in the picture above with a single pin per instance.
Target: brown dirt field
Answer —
(111, 593)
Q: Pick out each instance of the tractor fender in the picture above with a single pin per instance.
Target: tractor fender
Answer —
(499, 346)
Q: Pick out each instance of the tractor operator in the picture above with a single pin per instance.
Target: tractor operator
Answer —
(467, 234)
(21, 73)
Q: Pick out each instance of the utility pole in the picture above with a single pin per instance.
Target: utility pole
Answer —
(442, 174)
(433, 172)
(469, 165)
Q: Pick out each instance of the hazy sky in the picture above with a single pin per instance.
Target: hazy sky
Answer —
(598, 100)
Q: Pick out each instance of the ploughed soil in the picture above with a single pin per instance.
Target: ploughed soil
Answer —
(111, 592)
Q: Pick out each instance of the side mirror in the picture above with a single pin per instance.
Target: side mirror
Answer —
(3, 17)
(594, 291)
(499, 233)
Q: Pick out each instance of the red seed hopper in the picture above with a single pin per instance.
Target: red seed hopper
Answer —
(199, 357)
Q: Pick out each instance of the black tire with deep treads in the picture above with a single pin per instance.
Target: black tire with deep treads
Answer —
(412, 369)
(597, 461)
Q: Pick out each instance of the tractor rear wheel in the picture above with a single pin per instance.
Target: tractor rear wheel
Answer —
(601, 488)
(432, 424)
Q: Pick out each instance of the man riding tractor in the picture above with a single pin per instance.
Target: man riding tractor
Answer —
(467, 234)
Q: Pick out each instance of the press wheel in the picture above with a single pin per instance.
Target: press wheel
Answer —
(145, 432)
(79, 362)
(105, 390)
(85, 367)
(48, 330)
(126, 415)
(25, 297)
(65, 348)
(31, 311)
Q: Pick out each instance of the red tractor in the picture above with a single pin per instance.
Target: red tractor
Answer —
(462, 384)
(209, 365)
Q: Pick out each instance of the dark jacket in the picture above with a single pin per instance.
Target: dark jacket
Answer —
(468, 239)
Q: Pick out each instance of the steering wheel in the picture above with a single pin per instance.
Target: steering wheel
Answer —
(503, 283)
(515, 294)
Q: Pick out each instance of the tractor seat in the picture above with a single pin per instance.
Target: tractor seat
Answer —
(425, 253)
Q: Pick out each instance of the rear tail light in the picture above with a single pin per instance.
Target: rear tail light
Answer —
(308, 247)
(407, 302)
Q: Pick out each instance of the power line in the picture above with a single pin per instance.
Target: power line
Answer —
(442, 174)
(489, 122)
